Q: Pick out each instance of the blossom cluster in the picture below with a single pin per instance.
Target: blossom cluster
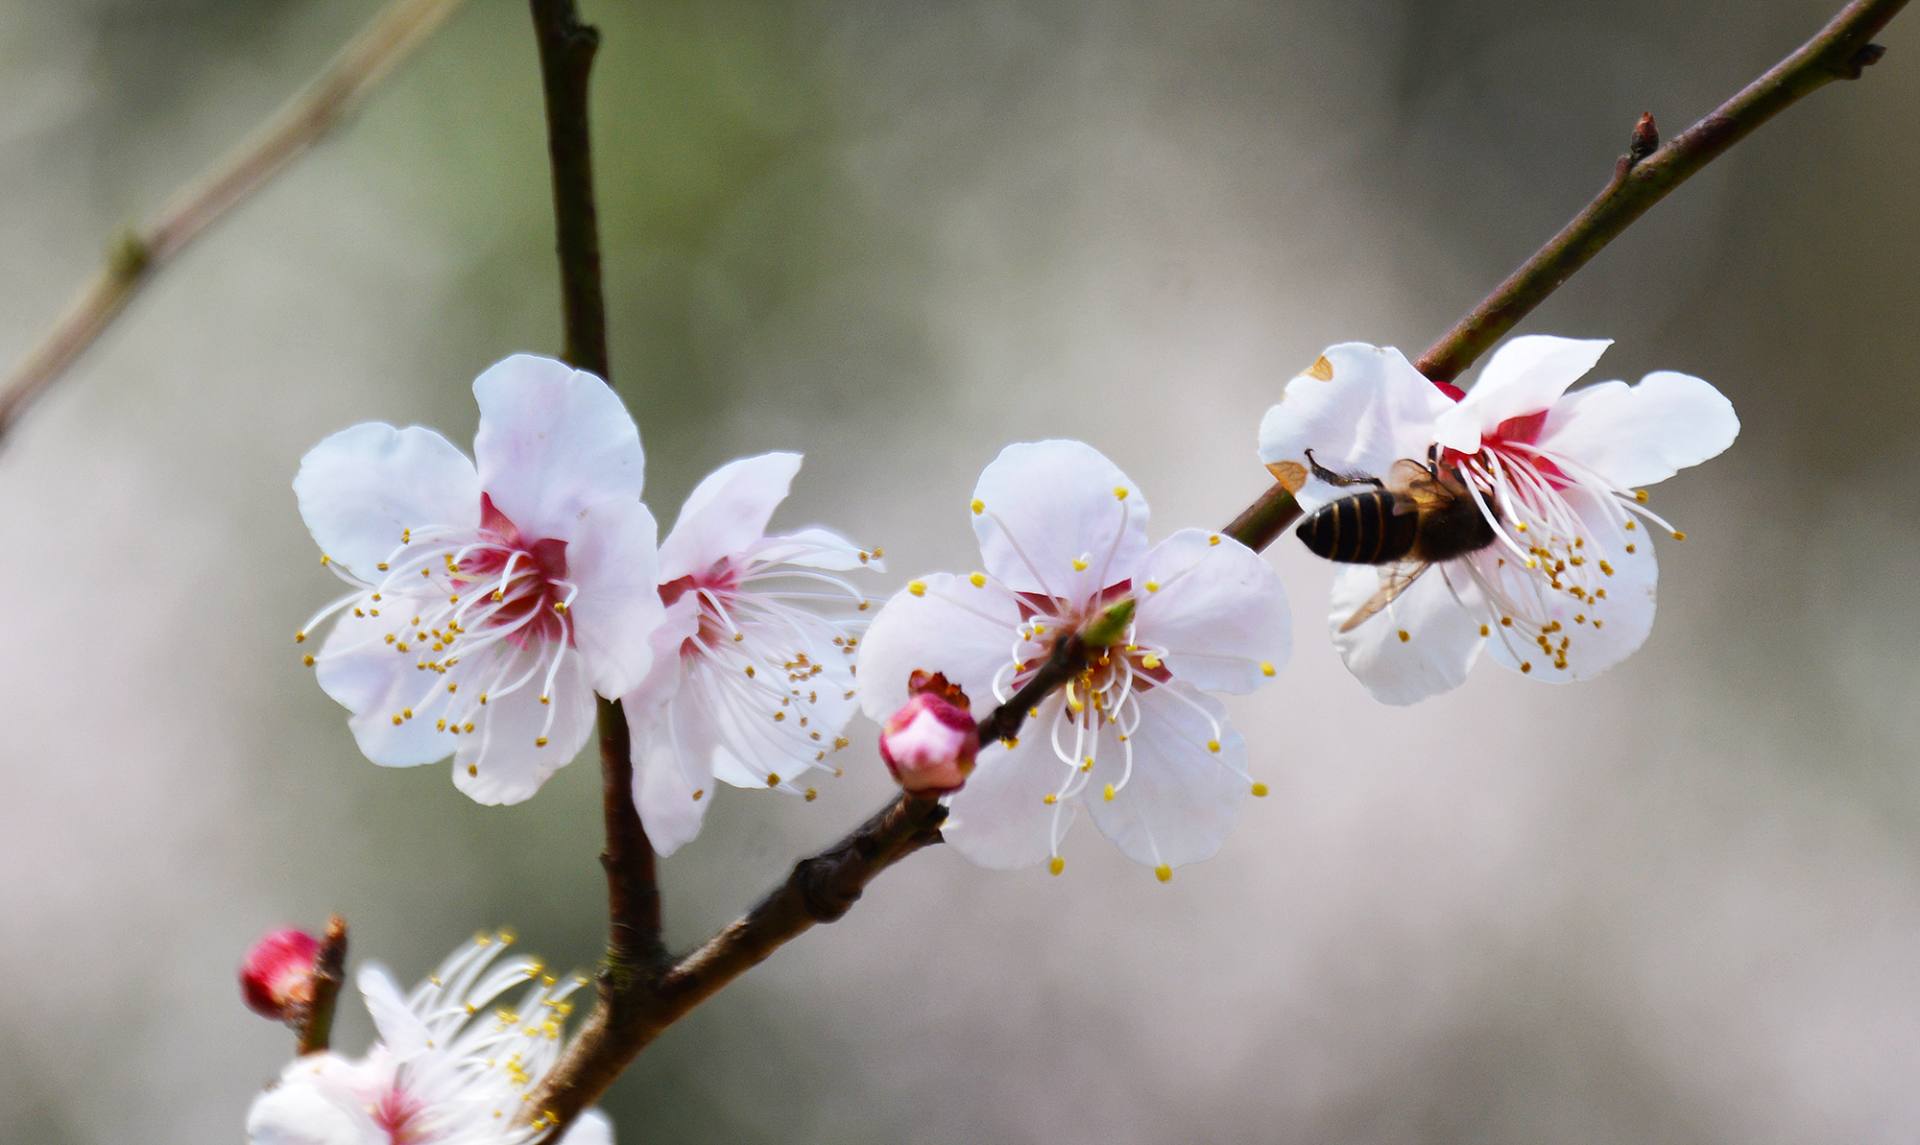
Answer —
(490, 601)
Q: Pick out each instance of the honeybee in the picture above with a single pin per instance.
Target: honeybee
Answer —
(1419, 515)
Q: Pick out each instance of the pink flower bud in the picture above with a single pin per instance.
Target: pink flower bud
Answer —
(277, 977)
(929, 744)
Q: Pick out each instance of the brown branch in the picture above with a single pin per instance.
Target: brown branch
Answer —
(825, 886)
(1641, 178)
(137, 255)
(329, 973)
(1838, 51)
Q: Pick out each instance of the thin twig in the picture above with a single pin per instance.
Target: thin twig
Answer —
(823, 887)
(137, 255)
(1641, 178)
(329, 973)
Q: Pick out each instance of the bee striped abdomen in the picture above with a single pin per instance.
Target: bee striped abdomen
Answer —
(1361, 528)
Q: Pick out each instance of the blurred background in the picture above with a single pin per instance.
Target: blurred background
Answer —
(1678, 904)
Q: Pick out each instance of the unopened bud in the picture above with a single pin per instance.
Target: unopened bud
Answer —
(277, 977)
(929, 745)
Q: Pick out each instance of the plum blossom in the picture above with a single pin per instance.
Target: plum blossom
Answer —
(1565, 587)
(449, 1068)
(1134, 738)
(488, 599)
(751, 681)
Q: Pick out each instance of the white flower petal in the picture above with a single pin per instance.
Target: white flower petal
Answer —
(1182, 797)
(1058, 518)
(672, 760)
(950, 627)
(590, 1128)
(1001, 819)
(552, 441)
(400, 1029)
(513, 765)
(1525, 376)
(1641, 434)
(727, 513)
(613, 563)
(314, 1103)
(679, 622)
(363, 486)
(376, 682)
(1218, 611)
(759, 736)
(1442, 637)
(1359, 408)
(1625, 616)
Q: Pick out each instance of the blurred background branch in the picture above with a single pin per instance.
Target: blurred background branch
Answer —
(135, 256)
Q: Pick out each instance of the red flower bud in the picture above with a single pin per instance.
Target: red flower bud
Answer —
(929, 745)
(277, 978)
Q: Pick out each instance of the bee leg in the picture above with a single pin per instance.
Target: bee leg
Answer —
(1341, 479)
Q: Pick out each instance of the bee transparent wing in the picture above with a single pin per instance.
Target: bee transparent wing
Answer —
(1394, 580)
(1416, 485)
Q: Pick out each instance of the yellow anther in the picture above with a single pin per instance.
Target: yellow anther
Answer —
(540, 741)
(406, 536)
(1267, 668)
(812, 794)
(778, 716)
(382, 566)
(978, 506)
(397, 721)
(773, 779)
(1632, 549)
(1519, 526)
(1526, 665)
(546, 699)
(300, 637)
(698, 792)
(1678, 535)
(1405, 636)
(1120, 492)
(559, 606)
(325, 560)
(307, 659)
(1011, 742)
(1213, 745)
(1049, 799)
(1150, 661)
(1606, 568)
(1153, 586)
(1484, 630)
(473, 769)
(1086, 763)
(1055, 865)
(1079, 564)
(483, 698)
(1640, 495)
(407, 712)
(749, 671)
(1164, 873)
(1259, 790)
(1506, 622)
(1108, 793)
(917, 587)
(1631, 526)
(978, 580)
(1214, 539)
(865, 604)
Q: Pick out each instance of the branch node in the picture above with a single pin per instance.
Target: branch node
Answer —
(1644, 141)
(1860, 61)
